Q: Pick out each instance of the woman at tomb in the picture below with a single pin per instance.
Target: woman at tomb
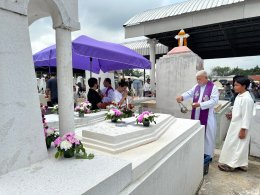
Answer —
(93, 96)
(234, 154)
(120, 93)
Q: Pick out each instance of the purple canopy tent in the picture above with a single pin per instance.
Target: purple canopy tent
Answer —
(105, 56)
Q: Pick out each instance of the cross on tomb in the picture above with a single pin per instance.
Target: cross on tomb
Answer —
(182, 38)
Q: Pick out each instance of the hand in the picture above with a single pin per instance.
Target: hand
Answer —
(125, 94)
(196, 105)
(242, 134)
(229, 115)
(179, 99)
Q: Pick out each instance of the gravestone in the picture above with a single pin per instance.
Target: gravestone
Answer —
(175, 74)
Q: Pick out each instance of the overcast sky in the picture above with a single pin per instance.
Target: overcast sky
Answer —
(103, 20)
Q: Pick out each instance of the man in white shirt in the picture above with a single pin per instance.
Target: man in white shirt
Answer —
(147, 89)
(120, 94)
(107, 92)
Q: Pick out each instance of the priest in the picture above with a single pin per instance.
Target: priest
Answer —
(205, 96)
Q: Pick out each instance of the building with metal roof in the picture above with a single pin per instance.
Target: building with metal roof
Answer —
(217, 28)
(143, 48)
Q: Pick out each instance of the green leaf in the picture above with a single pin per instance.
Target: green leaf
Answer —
(57, 154)
(91, 156)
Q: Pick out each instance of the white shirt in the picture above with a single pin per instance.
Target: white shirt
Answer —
(117, 96)
(147, 87)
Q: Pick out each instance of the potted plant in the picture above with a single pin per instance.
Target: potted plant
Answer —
(146, 118)
(114, 114)
(83, 108)
(51, 135)
(128, 111)
(68, 145)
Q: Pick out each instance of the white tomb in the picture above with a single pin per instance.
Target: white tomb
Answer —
(163, 166)
(175, 74)
(255, 133)
(88, 119)
(20, 121)
(125, 135)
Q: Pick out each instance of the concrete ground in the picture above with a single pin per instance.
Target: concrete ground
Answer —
(233, 183)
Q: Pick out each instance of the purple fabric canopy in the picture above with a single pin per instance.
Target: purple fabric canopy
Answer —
(105, 56)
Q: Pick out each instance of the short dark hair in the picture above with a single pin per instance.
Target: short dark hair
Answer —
(92, 82)
(243, 81)
(108, 80)
(122, 84)
(53, 74)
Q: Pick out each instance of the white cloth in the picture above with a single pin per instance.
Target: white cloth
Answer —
(235, 150)
(109, 97)
(117, 96)
(147, 87)
(210, 134)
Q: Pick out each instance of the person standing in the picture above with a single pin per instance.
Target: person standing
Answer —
(108, 91)
(205, 96)
(93, 96)
(52, 89)
(130, 82)
(147, 89)
(235, 150)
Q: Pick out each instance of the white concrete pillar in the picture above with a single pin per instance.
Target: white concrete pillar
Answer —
(21, 131)
(152, 51)
(65, 80)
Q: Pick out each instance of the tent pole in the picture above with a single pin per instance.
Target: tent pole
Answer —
(144, 75)
(90, 70)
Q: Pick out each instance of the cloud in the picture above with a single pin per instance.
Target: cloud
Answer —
(102, 20)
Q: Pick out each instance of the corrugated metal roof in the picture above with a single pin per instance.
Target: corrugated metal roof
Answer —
(178, 9)
(142, 47)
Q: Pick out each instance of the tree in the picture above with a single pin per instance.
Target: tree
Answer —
(220, 71)
(131, 72)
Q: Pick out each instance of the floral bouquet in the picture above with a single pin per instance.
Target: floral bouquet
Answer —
(83, 108)
(55, 109)
(146, 118)
(112, 105)
(114, 114)
(68, 145)
(128, 111)
(51, 135)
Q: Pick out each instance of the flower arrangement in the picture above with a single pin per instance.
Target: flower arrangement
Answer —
(51, 135)
(114, 114)
(112, 105)
(128, 111)
(83, 108)
(55, 109)
(146, 118)
(68, 145)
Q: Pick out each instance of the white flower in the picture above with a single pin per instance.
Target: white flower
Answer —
(111, 113)
(146, 116)
(65, 145)
(49, 132)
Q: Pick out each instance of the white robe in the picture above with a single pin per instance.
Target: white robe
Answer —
(235, 150)
(210, 134)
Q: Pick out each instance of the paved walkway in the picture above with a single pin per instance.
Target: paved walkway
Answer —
(235, 183)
